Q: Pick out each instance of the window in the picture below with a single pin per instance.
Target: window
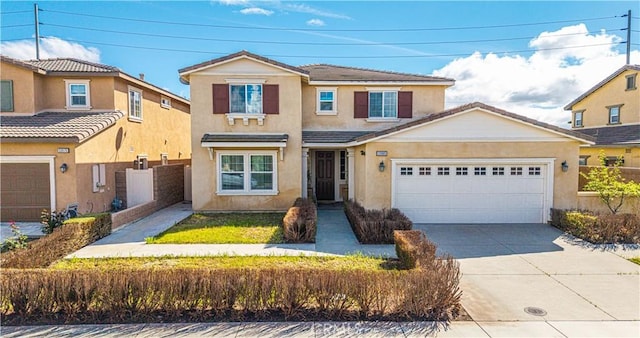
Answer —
(424, 171)
(343, 165)
(247, 173)
(534, 171)
(141, 162)
(6, 97)
(383, 104)
(631, 81)
(612, 160)
(164, 159)
(406, 171)
(246, 98)
(583, 160)
(480, 171)
(326, 101)
(462, 171)
(516, 171)
(135, 104)
(165, 102)
(443, 171)
(78, 94)
(99, 177)
(498, 171)
(577, 119)
(614, 115)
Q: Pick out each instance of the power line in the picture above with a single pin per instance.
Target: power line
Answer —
(13, 26)
(14, 12)
(329, 30)
(307, 43)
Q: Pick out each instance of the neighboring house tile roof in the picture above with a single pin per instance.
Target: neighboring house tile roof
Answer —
(68, 65)
(601, 83)
(57, 126)
(324, 72)
(239, 54)
(22, 64)
(233, 137)
(615, 135)
(330, 136)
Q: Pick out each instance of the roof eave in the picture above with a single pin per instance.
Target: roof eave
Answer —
(380, 83)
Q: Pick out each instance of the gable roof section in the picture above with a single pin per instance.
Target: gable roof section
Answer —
(57, 126)
(615, 136)
(467, 107)
(332, 73)
(601, 83)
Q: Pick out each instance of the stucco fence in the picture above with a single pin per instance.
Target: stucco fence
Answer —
(626, 172)
(168, 189)
(588, 200)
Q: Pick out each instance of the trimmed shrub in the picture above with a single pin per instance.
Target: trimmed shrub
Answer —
(73, 235)
(375, 226)
(39, 296)
(413, 248)
(300, 222)
(598, 228)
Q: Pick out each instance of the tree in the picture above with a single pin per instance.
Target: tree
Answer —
(608, 182)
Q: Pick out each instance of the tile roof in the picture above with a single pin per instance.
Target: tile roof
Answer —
(21, 64)
(71, 65)
(601, 83)
(239, 54)
(58, 126)
(325, 72)
(331, 136)
(614, 135)
(233, 137)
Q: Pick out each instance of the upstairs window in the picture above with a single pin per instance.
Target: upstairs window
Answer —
(577, 119)
(326, 101)
(135, 104)
(6, 99)
(78, 94)
(383, 104)
(165, 102)
(246, 99)
(614, 115)
(631, 81)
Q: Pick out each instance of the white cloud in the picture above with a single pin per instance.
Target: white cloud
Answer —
(315, 22)
(303, 8)
(233, 2)
(256, 11)
(538, 86)
(50, 47)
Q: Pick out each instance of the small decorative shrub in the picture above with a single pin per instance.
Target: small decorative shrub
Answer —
(413, 248)
(375, 226)
(51, 220)
(598, 228)
(17, 241)
(300, 222)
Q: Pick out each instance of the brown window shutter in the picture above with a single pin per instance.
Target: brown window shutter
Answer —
(360, 105)
(405, 105)
(220, 98)
(270, 99)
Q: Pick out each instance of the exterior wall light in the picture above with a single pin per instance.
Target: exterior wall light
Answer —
(63, 168)
(565, 166)
(381, 166)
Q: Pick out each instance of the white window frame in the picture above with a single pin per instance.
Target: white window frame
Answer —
(69, 101)
(99, 177)
(334, 110)
(133, 116)
(247, 173)
(610, 108)
(164, 158)
(143, 162)
(246, 110)
(633, 78)
(578, 122)
(165, 102)
(383, 117)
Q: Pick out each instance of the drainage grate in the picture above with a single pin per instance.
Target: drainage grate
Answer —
(535, 311)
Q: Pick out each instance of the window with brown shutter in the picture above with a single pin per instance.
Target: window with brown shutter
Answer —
(361, 105)
(271, 99)
(405, 105)
(220, 98)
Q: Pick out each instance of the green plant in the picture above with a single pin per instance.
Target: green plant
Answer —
(51, 220)
(17, 241)
(610, 185)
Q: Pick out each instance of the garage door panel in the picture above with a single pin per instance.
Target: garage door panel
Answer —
(25, 191)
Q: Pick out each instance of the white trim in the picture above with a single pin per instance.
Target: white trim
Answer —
(548, 177)
(199, 69)
(165, 102)
(383, 89)
(245, 117)
(243, 144)
(139, 91)
(381, 83)
(38, 159)
(325, 145)
(382, 119)
(333, 111)
(67, 84)
(245, 81)
(247, 172)
(351, 180)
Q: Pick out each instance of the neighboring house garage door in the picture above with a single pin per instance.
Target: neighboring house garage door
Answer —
(24, 191)
(472, 192)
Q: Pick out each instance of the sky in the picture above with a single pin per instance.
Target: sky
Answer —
(527, 57)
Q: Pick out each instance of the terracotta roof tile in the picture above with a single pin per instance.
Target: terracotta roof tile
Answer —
(241, 54)
(74, 127)
(71, 65)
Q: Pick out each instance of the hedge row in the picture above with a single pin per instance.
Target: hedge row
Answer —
(300, 222)
(75, 234)
(33, 296)
(413, 249)
(375, 226)
(598, 228)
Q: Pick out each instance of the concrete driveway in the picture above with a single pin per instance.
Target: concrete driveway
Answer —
(508, 268)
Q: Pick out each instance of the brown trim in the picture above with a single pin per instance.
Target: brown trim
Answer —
(405, 105)
(220, 94)
(270, 99)
(360, 105)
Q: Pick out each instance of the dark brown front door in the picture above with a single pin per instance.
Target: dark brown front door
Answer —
(325, 184)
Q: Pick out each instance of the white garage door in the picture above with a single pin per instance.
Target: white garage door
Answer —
(482, 192)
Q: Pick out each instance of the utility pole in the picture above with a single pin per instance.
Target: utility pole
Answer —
(35, 14)
(628, 37)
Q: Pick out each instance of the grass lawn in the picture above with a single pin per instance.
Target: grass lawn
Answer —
(635, 260)
(355, 262)
(224, 228)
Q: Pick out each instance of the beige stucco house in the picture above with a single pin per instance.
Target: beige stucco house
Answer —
(68, 125)
(265, 133)
(610, 112)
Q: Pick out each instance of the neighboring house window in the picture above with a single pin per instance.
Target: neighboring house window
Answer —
(614, 115)
(164, 159)
(165, 102)
(326, 101)
(246, 98)
(141, 162)
(99, 175)
(577, 119)
(78, 94)
(247, 173)
(135, 103)
(631, 81)
(583, 160)
(383, 104)
(6, 99)
(610, 161)
(343, 165)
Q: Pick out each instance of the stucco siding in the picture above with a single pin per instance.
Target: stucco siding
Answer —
(23, 88)
(631, 155)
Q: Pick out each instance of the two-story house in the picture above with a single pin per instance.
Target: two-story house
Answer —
(610, 112)
(265, 133)
(68, 125)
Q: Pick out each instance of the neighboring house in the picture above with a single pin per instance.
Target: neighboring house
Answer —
(68, 125)
(265, 133)
(610, 112)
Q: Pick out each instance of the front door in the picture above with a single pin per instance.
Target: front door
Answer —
(325, 184)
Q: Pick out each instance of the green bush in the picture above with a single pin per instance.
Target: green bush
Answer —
(413, 248)
(51, 220)
(598, 228)
(17, 241)
(375, 226)
(300, 222)
(73, 235)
